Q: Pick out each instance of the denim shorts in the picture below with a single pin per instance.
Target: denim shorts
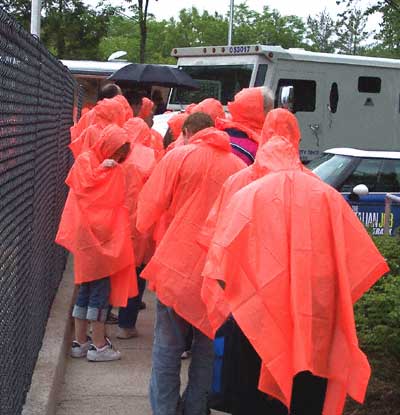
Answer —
(92, 300)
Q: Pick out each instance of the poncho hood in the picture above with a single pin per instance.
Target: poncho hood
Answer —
(175, 123)
(210, 106)
(110, 140)
(247, 112)
(212, 137)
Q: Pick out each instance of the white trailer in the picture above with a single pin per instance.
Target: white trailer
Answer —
(339, 100)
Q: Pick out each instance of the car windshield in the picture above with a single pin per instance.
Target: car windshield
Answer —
(221, 82)
(330, 167)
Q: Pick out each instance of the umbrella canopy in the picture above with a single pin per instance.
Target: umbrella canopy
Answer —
(161, 75)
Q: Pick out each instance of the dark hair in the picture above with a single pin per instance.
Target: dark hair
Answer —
(197, 122)
(168, 138)
(156, 96)
(109, 91)
(133, 97)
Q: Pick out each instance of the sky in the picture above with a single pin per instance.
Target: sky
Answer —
(163, 9)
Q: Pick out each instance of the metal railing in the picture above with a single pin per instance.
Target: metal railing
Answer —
(389, 199)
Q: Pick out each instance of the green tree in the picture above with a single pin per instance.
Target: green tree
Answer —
(20, 10)
(140, 10)
(268, 27)
(70, 29)
(351, 31)
(388, 36)
(122, 34)
(321, 30)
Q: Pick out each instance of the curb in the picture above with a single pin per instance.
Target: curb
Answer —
(50, 365)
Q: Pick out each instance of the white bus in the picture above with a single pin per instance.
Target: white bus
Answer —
(339, 100)
(92, 75)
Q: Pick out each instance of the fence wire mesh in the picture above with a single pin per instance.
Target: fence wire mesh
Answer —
(37, 98)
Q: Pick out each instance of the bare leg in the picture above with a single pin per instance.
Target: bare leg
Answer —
(81, 330)
(98, 333)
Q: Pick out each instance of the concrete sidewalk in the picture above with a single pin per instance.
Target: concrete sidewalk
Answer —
(114, 388)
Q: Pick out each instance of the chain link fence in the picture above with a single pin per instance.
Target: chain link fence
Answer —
(38, 97)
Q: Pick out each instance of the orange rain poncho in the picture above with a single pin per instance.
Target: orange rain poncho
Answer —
(95, 224)
(138, 166)
(157, 144)
(138, 131)
(175, 124)
(127, 108)
(294, 258)
(248, 113)
(106, 112)
(279, 122)
(146, 109)
(210, 106)
(183, 186)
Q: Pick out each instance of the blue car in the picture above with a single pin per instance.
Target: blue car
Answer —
(364, 178)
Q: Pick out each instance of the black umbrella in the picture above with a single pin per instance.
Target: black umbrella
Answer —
(160, 75)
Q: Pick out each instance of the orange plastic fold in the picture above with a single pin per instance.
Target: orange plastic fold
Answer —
(95, 224)
(294, 258)
(128, 112)
(138, 167)
(183, 186)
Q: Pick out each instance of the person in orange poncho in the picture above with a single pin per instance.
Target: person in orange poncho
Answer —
(248, 111)
(293, 259)
(184, 185)
(173, 137)
(95, 228)
(279, 122)
(138, 166)
(146, 113)
(209, 106)
(87, 117)
(106, 112)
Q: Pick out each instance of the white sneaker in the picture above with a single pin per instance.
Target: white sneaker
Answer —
(125, 334)
(103, 354)
(80, 350)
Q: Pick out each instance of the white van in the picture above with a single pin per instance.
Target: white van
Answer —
(339, 100)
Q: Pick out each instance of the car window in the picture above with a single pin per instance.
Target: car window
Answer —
(389, 177)
(366, 172)
(332, 169)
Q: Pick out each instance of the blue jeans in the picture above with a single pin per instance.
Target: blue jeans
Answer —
(127, 316)
(92, 300)
(169, 343)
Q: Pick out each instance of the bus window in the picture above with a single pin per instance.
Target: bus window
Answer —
(221, 82)
(369, 84)
(261, 73)
(304, 94)
(334, 98)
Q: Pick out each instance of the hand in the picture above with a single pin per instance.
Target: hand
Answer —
(108, 164)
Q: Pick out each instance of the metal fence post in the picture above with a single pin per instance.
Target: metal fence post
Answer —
(35, 17)
(388, 210)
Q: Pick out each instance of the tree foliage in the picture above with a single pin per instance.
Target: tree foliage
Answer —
(72, 29)
(321, 32)
(351, 31)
